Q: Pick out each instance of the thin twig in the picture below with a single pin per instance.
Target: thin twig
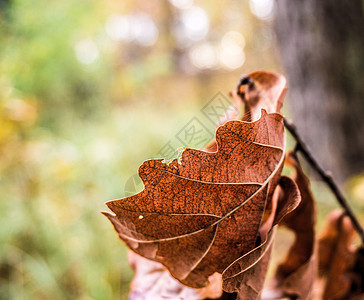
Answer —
(326, 177)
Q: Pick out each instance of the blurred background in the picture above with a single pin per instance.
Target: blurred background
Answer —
(89, 90)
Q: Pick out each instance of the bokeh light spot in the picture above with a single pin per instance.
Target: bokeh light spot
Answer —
(86, 51)
(182, 4)
(204, 56)
(195, 23)
(263, 9)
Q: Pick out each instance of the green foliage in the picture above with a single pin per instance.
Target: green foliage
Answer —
(52, 237)
(38, 58)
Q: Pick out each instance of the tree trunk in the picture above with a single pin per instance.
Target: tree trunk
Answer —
(322, 50)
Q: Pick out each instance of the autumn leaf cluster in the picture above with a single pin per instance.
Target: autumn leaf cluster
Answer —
(204, 225)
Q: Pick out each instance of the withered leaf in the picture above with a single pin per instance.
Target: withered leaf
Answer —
(247, 274)
(296, 274)
(261, 89)
(199, 215)
(337, 257)
(256, 91)
(153, 281)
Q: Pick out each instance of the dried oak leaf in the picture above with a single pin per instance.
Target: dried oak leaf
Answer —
(199, 215)
(153, 281)
(295, 276)
(247, 274)
(256, 91)
(337, 257)
(261, 89)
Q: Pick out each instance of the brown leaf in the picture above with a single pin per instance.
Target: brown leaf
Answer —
(357, 287)
(337, 256)
(199, 215)
(153, 281)
(247, 274)
(257, 90)
(295, 275)
(261, 89)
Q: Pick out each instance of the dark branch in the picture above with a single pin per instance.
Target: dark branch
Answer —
(327, 178)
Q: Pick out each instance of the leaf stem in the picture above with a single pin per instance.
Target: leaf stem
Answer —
(326, 177)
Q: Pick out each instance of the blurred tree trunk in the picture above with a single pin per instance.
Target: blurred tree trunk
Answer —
(321, 45)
